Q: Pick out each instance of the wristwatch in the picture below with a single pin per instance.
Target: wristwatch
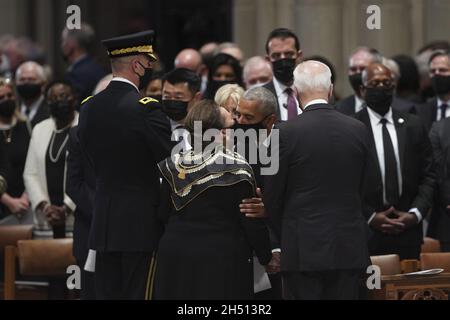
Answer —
(3, 185)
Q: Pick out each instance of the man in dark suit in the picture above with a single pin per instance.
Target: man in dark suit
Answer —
(83, 73)
(315, 198)
(439, 107)
(30, 81)
(80, 187)
(284, 53)
(359, 60)
(124, 137)
(439, 226)
(256, 112)
(402, 180)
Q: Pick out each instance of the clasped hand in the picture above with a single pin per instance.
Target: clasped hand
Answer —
(393, 221)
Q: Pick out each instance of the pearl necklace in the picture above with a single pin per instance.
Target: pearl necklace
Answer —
(52, 141)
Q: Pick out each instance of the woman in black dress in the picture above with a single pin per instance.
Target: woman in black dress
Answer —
(45, 167)
(14, 140)
(207, 248)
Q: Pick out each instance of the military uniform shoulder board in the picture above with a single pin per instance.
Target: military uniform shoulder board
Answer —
(147, 100)
(86, 99)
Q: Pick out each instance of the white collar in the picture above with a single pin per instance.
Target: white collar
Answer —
(280, 87)
(120, 79)
(9, 126)
(359, 100)
(376, 118)
(35, 104)
(316, 101)
(441, 102)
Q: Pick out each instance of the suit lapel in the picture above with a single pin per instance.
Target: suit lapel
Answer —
(433, 107)
(271, 87)
(400, 127)
(363, 116)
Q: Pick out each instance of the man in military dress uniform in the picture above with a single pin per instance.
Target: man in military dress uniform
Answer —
(124, 136)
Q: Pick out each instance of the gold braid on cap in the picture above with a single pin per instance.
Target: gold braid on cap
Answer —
(141, 49)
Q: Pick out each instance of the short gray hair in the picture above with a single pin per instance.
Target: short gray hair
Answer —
(32, 65)
(376, 55)
(310, 81)
(263, 95)
(85, 36)
(255, 62)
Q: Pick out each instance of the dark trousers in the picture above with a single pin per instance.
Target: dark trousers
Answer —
(322, 285)
(87, 291)
(404, 252)
(121, 275)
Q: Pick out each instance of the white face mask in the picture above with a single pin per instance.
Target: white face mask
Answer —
(256, 85)
(5, 65)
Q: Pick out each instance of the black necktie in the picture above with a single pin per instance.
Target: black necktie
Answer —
(443, 108)
(390, 168)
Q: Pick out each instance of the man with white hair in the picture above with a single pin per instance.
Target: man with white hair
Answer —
(314, 201)
(257, 71)
(30, 81)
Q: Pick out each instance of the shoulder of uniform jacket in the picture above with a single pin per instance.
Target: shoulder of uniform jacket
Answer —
(147, 100)
(86, 100)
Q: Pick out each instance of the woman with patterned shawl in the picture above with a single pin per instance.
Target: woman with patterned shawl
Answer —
(206, 251)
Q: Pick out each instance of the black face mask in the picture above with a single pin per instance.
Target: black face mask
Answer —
(145, 79)
(356, 82)
(283, 70)
(7, 108)
(245, 127)
(441, 84)
(29, 90)
(379, 99)
(254, 126)
(214, 85)
(61, 110)
(175, 109)
(158, 97)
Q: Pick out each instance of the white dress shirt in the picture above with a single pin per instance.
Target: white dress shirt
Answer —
(447, 111)
(376, 125)
(126, 81)
(282, 98)
(180, 135)
(316, 101)
(359, 104)
(33, 108)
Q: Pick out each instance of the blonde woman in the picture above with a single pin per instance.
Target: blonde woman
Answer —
(14, 140)
(228, 97)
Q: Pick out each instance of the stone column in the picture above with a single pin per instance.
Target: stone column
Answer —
(437, 15)
(318, 24)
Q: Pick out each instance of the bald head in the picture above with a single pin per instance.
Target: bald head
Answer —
(312, 79)
(376, 73)
(188, 59)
